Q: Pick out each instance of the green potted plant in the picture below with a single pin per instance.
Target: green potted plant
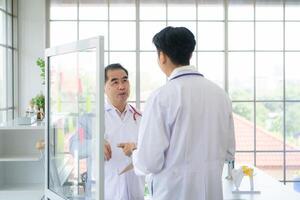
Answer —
(39, 105)
(41, 63)
(39, 100)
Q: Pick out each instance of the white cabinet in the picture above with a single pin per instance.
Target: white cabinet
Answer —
(21, 164)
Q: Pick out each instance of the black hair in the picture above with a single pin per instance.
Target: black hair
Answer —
(178, 43)
(114, 66)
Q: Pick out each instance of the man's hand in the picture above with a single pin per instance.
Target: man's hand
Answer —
(127, 148)
(107, 151)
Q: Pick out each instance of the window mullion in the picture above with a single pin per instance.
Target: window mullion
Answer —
(226, 46)
(6, 58)
(138, 53)
(284, 101)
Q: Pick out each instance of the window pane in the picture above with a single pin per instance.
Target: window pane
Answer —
(128, 61)
(293, 166)
(63, 10)
(244, 125)
(9, 6)
(2, 77)
(293, 126)
(269, 128)
(15, 7)
(2, 28)
(271, 163)
(62, 32)
(269, 10)
(269, 76)
(122, 11)
(193, 60)
(2, 4)
(210, 10)
(92, 29)
(269, 36)
(9, 30)
(105, 58)
(292, 71)
(211, 65)
(147, 8)
(95, 10)
(244, 158)
(147, 31)
(10, 115)
(210, 36)
(15, 31)
(292, 31)
(240, 35)
(151, 75)
(241, 75)
(2, 116)
(15, 64)
(240, 10)
(9, 78)
(292, 10)
(184, 10)
(295, 186)
(122, 36)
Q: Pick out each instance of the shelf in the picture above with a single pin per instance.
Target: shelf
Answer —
(23, 191)
(19, 158)
(21, 166)
(13, 125)
(22, 187)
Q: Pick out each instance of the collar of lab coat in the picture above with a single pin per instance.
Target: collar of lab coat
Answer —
(182, 70)
(109, 106)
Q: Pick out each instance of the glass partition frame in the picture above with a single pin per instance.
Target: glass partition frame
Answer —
(96, 43)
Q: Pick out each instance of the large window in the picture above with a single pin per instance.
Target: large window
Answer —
(8, 54)
(250, 48)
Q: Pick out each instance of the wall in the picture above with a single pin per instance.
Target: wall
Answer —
(31, 24)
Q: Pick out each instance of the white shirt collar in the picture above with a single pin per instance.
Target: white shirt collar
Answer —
(181, 70)
(109, 106)
(122, 115)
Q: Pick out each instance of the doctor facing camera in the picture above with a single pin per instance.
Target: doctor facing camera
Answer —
(121, 133)
(187, 132)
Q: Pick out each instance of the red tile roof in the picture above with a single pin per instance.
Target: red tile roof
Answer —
(265, 141)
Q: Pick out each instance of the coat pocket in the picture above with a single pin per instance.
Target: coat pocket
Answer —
(167, 185)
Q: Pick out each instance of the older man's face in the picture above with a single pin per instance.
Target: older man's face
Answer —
(117, 87)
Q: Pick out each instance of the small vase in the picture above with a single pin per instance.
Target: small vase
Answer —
(40, 114)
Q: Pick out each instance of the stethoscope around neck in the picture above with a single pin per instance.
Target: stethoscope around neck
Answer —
(135, 113)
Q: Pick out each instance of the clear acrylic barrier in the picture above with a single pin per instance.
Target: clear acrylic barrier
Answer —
(74, 120)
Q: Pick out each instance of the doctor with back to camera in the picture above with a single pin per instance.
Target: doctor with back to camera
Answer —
(121, 133)
(187, 131)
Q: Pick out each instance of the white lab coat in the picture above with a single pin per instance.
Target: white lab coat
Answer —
(185, 136)
(127, 186)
